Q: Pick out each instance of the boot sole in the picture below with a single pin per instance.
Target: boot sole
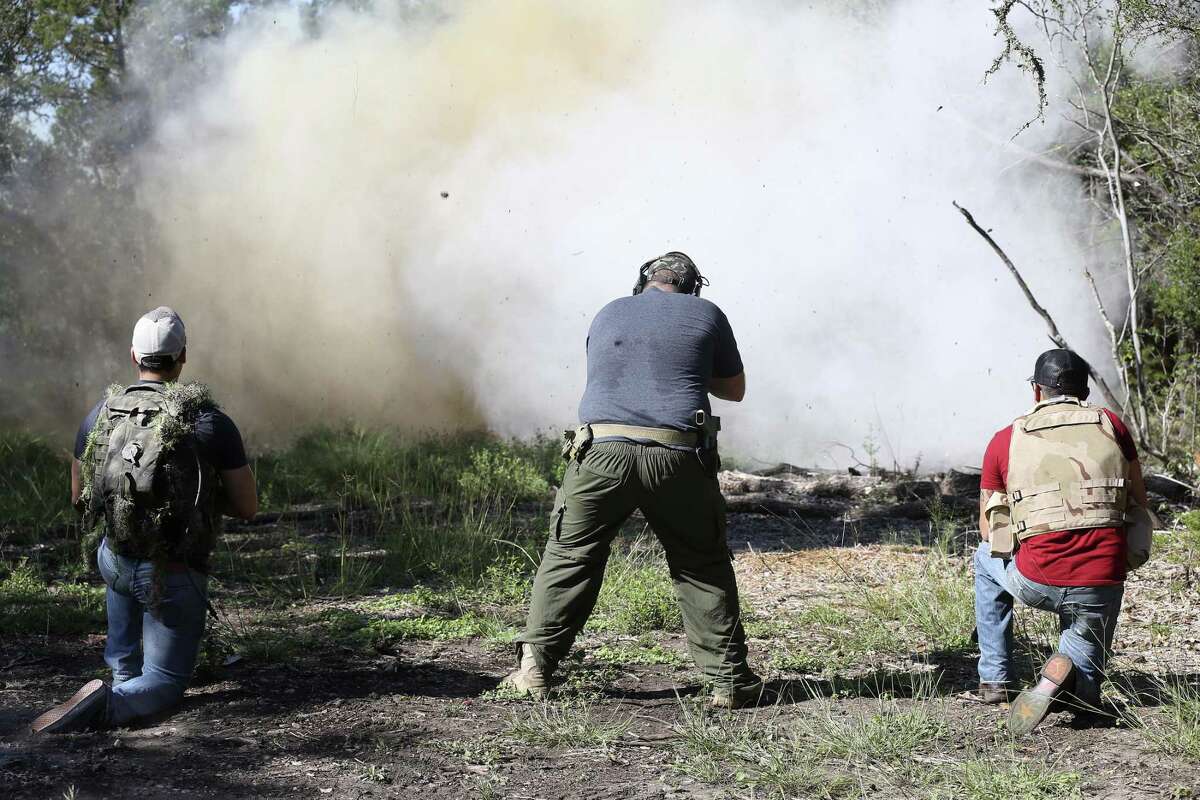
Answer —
(1031, 707)
(47, 722)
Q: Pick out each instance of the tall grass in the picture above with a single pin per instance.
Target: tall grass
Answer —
(443, 509)
(34, 482)
(377, 469)
(1174, 728)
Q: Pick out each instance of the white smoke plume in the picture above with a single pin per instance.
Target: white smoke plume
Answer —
(409, 219)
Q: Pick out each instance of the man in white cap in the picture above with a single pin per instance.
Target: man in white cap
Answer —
(156, 465)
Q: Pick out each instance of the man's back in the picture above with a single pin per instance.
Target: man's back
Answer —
(650, 359)
(1081, 557)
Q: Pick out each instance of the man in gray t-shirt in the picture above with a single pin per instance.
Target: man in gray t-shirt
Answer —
(653, 359)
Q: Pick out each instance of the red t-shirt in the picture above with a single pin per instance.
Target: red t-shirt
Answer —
(1084, 557)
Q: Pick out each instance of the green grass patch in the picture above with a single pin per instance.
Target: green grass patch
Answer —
(933, 609)
(384, 633)
(571, 723)
(754, 753)
(28, 604)
(645, 653)
(887, 734)
(1181, 545)
(988, 779)
(1174, 728)
(484, 751)
(637, 596)
(376, 469)
(928, 609)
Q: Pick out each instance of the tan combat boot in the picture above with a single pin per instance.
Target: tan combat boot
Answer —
(738, 696)
(528, 679)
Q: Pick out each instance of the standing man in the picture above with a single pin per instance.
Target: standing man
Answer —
(1057, 485)
(156, 465)
(648, 442)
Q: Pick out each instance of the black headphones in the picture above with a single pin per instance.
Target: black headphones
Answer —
(689, 281)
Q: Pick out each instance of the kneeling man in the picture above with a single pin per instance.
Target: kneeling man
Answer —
(1056, 488)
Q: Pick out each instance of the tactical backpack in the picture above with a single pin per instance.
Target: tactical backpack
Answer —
(145, 482)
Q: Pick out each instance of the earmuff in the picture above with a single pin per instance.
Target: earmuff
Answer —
(689, 280)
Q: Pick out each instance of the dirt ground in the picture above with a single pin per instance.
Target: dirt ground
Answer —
(423, 719)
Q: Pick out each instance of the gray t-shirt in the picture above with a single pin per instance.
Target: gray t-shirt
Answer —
(650, 357)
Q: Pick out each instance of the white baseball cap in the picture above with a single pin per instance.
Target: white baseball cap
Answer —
(159, 333)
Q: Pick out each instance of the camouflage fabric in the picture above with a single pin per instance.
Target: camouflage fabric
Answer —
(145, 485)
(677, 263)
(1066, 470)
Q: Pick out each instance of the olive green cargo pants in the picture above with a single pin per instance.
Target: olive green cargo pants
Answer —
(682, 501)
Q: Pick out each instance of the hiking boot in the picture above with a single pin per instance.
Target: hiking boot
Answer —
(737, 697)
(527, 679)
(994, 693)
(77, 713)
(1031, 706)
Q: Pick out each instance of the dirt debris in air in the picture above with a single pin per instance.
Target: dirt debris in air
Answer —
(858, 612)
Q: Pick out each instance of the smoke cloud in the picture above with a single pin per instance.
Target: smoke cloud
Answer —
(409, 219)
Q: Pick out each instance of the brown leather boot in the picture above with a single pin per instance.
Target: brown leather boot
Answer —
(994, 693)
(1032, 705)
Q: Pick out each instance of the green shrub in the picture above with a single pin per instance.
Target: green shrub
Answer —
(379, 468)
(502, 474)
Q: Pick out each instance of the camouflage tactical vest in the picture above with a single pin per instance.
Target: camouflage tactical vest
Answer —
(144, 478)
(1066, 470)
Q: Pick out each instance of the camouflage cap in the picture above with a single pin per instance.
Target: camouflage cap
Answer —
(678, 264)
(1061, 369)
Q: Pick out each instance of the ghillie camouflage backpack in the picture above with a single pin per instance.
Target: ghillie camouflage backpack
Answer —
(145, 485)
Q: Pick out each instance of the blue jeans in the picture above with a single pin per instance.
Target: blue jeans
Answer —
(1087, 619)
(151, 651)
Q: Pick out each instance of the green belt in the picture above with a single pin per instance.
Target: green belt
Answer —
(659, 435)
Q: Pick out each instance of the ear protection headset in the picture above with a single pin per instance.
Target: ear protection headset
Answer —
(687, 276)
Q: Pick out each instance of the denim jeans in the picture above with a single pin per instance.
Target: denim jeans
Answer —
(151, 651)
(1087, 618)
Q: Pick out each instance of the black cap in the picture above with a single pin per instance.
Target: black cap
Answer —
(1061, 369)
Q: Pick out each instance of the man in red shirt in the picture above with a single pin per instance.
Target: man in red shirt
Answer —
(1068, 465)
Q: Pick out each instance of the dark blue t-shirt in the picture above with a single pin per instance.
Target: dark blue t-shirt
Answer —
(217, 438)
(650, 358)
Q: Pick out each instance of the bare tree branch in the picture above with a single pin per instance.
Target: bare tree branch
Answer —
(1055, 335)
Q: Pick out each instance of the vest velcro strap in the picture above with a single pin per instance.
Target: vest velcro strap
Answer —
(1022, 494)
(1097, 483)
(665, 436)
